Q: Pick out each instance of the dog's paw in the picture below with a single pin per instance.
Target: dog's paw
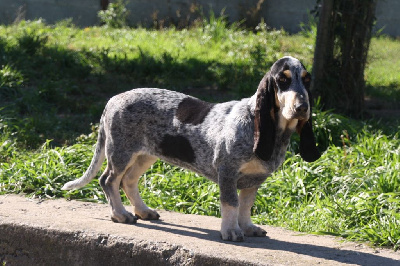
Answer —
(147, 214)
(235, 235)
(253, 230)
(126, 218)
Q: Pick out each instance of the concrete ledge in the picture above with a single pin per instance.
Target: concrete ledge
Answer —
(79, 233)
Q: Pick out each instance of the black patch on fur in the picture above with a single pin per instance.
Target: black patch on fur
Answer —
(103, 179)
(177, 147)
(264, 124)
(280, 65)
(307, 83)
(193, 111)
(277, 73)
(308, 148)
(285, 84)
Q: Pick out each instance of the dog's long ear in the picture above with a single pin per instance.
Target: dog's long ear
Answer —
(264, 119)
(308, 147)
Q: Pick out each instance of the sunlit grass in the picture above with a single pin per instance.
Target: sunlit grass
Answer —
(55, 81)
(382, 71)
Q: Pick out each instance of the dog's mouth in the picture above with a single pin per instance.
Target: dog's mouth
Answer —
(302, 116)
(290, 114)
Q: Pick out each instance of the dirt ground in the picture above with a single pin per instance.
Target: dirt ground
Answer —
(176, 239)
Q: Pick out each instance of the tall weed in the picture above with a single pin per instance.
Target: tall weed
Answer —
(11, 81)
(115, 16)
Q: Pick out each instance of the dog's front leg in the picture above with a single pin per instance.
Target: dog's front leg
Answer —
(246, 201)
(230, 229)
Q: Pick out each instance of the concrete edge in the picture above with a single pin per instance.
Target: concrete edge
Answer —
(21, 244)
(61, 232)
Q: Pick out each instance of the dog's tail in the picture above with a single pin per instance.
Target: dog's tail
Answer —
(95, 165)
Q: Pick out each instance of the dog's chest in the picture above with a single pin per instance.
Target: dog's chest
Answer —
(281, 143)
(255, 171)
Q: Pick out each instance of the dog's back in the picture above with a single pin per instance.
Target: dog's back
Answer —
(177, 128)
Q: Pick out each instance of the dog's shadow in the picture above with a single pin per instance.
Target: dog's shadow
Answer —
(188, 231)
(328, 253)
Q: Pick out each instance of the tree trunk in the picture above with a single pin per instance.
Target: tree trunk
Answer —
(344, 33)
(323, 53)
(104, 4)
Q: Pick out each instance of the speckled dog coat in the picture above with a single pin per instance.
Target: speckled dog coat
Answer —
(236, 144)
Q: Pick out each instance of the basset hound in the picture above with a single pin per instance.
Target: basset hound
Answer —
(237, 144)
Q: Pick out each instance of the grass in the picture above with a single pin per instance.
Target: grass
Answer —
(382, 70)
(56, 79)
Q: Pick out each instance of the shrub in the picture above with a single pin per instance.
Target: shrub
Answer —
(10, 81)
(115, 16)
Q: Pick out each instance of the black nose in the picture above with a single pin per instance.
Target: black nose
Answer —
(301, 107)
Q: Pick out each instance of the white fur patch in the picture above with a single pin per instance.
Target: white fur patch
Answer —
(287, 102)
(229, 217)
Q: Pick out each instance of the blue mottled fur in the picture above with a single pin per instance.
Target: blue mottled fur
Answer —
(132, 135)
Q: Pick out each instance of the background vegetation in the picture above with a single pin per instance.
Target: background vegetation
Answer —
(56, 79)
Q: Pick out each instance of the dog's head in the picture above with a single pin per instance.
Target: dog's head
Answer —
(284, 95)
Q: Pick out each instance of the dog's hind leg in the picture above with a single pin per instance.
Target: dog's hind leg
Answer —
(130, 186)
(110, 182)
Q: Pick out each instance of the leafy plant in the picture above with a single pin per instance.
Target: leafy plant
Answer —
(216, 28)
(116, 14)
(309, 29)
(10, 81)
(30, 42)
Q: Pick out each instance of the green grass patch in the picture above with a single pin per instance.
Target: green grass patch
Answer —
(352, 191)
(56, 79)
(382, 71)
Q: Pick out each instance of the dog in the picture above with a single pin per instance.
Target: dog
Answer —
(236, 144)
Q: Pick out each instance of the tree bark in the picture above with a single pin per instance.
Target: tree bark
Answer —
(104, 4)
(343, 37)
(323, 53)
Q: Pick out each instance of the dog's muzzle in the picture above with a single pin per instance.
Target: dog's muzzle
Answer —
(301, 110)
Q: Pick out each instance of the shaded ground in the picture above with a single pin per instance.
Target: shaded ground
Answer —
(382, 109)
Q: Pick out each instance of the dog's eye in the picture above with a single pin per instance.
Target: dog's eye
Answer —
(283, 80)
(307, 81)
